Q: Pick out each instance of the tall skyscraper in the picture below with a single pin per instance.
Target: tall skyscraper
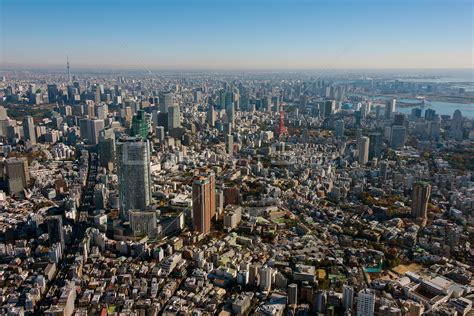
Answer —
(133, 170)
(430, 114)
(266, 278)
(329, 108)
(398, 137)
(139, 125)
(365, 303)
(17, 173)
(202, 205)
(420, 199)
(89, 129)
(29, 130)
(390, 108)
(97, 95)
(347, 297)
(106, 148)
(211, 116)
(174, 116)
(204, 201)
(363, 150)
(339, 128)
(293, 294)
(166, 99)
(55, 230)
(229, 144)
(375, 145)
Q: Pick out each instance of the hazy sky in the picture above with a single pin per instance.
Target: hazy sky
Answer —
(232, 34)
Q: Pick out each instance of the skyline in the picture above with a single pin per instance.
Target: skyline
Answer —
(238, 35)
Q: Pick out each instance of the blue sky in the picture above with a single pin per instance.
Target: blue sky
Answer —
(231, 34)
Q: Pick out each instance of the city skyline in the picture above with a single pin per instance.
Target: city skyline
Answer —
(218, 35)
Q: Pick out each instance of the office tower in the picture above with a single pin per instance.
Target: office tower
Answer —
(363, 150)
(390, 108)
(457, 125)
(68, 71)
(420, 199)
(230, 112)
(29, 130)
(93, 129)
(55, 230)
(17, 173)
(102, 111)
(166, 99)
(3, 113)
(415, 113)
(265, 279)
(139, 125)
(329, 108)
(133, 170)
(347, 297)
(106, 148)
(229, 142)
(267, 103)
(212, 183)
(52, 93)
(375, 145)
(434, 129)
(293, 294)
(399, 119)
(398, 137)
(202, 205)
(97, 95)
(365, 109)
(163, 120)
(383, 170)
(160, 133)
(365, 303)
(430, 114)
(339, 128)
(211, 116)
(173, 117)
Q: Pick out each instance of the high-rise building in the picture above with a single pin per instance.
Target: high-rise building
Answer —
(97, 95)
(139, 125)
(204, 201)
(211, 116)
(399, 119)
(329, 108)
(173, 116)
(133, 170)
(3, 113)
(293, 294)
(166, 99)
(457, 126)
(398, 137)
(202, 205)
(266, 278)
(383, 170)
(420, 199)
(106, 148)
(363, 150)
(347, 297)
(339, 128)
(415, 113)
(230, 112)
(29, 130)
(365, 303)
(375, 145)
(430, 114)
(390, 108)
(17, 173)
(229, 143)
(55, 230)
